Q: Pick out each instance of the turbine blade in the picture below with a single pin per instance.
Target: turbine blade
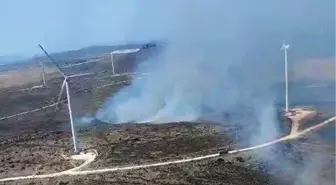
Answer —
(60, 95)
(52, 60)
(81, 74)
(90, 61)
(125, 51)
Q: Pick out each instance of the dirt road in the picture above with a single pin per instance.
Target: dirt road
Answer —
(91, 156)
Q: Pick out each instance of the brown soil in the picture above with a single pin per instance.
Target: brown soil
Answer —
(33, 144)
(297, 116)
(33, 154)
(121, 145)
(21, 77)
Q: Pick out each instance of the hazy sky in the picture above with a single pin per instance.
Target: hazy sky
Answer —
(64, 24)
(69, 24)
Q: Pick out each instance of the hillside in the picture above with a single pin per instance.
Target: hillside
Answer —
(75, 56)
(7, 59)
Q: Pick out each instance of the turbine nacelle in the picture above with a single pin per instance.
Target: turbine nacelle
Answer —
(284, 46)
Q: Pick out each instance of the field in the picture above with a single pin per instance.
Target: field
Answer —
(35, 143)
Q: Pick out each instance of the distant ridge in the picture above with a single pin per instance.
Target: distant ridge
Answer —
(73, 55)
(8, 59)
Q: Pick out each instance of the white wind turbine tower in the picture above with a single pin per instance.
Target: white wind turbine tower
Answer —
(66, 85)
(123, 51)
(285, 47)
(43, 79)
(43, 74)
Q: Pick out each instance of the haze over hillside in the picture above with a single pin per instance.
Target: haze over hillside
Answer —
(10, 59)
(90, 51)
(78, 55)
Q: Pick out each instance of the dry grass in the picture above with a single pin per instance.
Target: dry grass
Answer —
(316, 69)
(24, 76)
(121, 145)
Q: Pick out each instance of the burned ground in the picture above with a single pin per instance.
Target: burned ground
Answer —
(130, 144)
(34, 143)
(124, 145)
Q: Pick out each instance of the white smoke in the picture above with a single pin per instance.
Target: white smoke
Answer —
(210, 62)
(220, 55)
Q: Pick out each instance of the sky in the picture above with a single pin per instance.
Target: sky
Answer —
(61, 25)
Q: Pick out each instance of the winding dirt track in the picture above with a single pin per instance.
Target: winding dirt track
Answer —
(87, 157)
(91, 157)
(288, 137)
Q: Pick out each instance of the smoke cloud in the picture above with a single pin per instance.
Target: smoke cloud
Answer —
(214, 59)
(220, 57)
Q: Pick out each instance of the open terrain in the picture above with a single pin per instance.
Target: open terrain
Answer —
(36, 142)
(134, 144)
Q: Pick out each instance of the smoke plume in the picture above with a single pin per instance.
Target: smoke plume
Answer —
(220, 57)
(214, 59)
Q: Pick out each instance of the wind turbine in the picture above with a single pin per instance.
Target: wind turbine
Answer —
(285, 47)
(123, 51)
(66, 85)
(43, 79)
(43, 74)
